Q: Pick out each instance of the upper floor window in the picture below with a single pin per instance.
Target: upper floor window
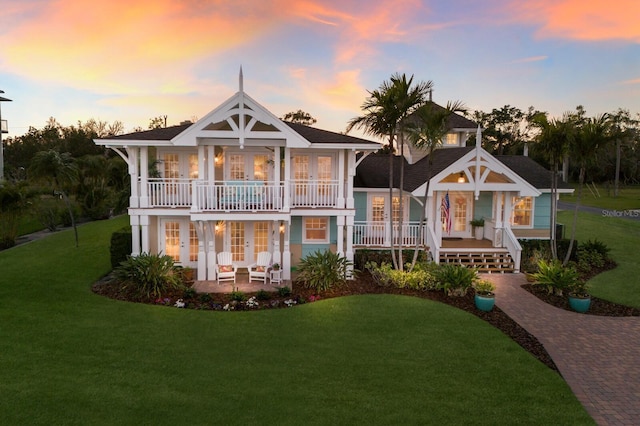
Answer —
(451, 139)
(316, 230)
(522, 213)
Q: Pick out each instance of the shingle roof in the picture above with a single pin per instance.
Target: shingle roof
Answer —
(455, 120)
(373, 171)
(311, 134)
(315, 135)
(529, 170)
(160, 134)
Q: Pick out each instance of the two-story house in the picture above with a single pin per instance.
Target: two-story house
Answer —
(241, 180)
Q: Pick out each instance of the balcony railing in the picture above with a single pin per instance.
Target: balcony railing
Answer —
(306, 193)
(240, 195)
(169, 192)
(376, 234)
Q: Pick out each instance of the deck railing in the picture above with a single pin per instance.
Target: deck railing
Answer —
(515, 249)
(238, 196)
(376, 234)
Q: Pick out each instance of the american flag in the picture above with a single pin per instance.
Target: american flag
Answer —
(444, 207)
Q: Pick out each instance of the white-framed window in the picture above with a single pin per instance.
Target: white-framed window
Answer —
(315, 230)
(451, 139)
(522, 212)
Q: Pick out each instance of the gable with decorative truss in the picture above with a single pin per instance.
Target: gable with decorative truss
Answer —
(240, 120)
(478, 171)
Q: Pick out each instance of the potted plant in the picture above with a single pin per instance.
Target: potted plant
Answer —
(579, 298)
(478, 228)
(484, 297)
(275, 266)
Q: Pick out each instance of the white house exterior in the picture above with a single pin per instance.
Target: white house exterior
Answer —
(241, 180)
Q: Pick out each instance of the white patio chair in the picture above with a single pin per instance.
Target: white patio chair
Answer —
(259, 271)
(225, 269)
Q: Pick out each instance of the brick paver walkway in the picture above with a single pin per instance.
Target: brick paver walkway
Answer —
(599, 357)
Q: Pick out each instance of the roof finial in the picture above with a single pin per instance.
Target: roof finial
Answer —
(241, 82)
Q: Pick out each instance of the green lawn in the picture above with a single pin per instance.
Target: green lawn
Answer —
(620, 285)
(72, 357)
(627, 199)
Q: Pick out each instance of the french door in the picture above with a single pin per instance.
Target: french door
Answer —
(249, 166)
(178, 239)
(246, 239)
(313, 176)
(460, 210)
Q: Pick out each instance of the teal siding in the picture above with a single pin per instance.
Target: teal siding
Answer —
(360, 204)
(414, 210)
(295, 234)
(542, 211)
(483, 206)
(308, 249)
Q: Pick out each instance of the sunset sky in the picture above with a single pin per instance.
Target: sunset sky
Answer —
(133, 60)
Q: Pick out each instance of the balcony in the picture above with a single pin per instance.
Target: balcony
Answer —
(242, 196)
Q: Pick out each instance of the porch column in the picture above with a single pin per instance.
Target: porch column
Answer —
(497, 233)
(277, 257)
(211, 159)
(211, 250)
(340, 235)
(144, 224)
(132, 153)
(202, 255)
(437, 219)
(144, 176)
(134, 220)
(287, 186)
(349, 250)
(341, 180)
(286, 254)
(351, 172)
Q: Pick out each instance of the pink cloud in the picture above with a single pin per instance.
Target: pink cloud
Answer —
(581, 20)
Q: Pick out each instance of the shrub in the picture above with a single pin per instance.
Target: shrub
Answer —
(48, 211)
(596, 246)
(189, 293)
(322, 270)
(284, 291)
(484, 287)
(455, 279)
(263, 295)
(148, 275)
(238, 296)
(205, 298)
(556, 277)
(421, 278)
(120, 247)
(534, 251)
(363, 256)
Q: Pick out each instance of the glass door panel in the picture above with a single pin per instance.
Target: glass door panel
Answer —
(237, 236)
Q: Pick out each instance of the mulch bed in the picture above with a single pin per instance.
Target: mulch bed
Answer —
(598, 306)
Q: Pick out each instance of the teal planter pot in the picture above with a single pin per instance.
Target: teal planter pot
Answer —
(485, 303)
(579, 304)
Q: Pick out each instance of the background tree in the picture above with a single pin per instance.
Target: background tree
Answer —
(60, 172)
(158, 122)
(505, 130)
(300, 117)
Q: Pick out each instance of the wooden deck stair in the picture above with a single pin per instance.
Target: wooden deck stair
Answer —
(487, 261)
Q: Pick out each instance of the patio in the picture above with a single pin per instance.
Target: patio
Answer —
(242, 284)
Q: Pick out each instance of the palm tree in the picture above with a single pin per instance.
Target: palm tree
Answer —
(591, 136)
(60, 170)
(386, 110)
(553, 140)
(428, 127)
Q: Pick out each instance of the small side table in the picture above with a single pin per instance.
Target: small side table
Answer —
(275, 276)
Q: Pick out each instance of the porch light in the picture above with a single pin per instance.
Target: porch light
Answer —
(461, 178)
(282, 228)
